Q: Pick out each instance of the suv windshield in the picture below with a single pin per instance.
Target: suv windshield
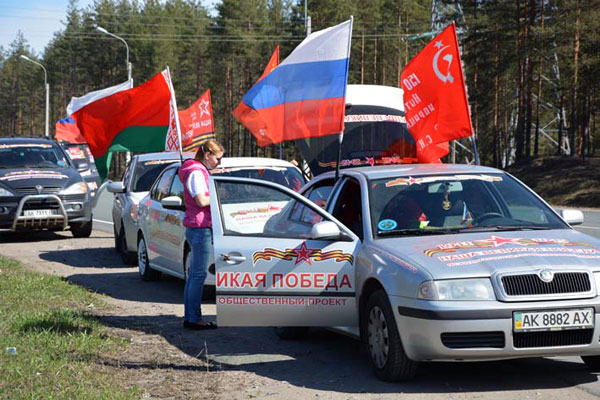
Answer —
(31, 155)
(456, 203)
(289, 177)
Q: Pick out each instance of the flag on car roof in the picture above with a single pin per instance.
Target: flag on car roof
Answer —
(197, 124)
(305, 95)
(246, 115)
(67, 131)
(435, 98)
(137, 119)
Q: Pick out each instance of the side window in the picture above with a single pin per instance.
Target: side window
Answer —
(176, 188)
(348, 208)
(127, 174)
(161, 189)
(319, 194)
(256, 210)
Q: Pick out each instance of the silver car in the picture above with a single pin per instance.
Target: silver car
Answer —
(161, 243)
(422, 262)
(140, 174)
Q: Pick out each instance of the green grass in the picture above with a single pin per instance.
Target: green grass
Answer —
(60, 345)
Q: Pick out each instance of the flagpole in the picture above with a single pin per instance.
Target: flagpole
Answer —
(341, 137)
(177, 127)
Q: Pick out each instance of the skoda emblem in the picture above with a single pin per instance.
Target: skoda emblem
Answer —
(39, 189)
(546, 275)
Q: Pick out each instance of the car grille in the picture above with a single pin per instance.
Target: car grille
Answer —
(45, 204)
(552, 338)
(32, 190)
(532, 284)
(466, 340)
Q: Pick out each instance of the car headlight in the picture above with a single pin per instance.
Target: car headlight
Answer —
(457, 290)
(6, 193)
(77, 188)
(133, 213)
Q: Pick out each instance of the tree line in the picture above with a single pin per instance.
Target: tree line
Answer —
(531, 65)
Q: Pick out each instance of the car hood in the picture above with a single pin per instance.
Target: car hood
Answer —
(45, 177)
(485, 253)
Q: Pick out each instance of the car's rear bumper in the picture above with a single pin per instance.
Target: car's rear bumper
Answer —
(476, 331)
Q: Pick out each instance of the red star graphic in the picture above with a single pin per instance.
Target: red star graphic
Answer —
(370, 161)
(303, 254)
(411, 180)
(497, 241)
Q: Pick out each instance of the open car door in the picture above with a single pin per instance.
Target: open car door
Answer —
(280, 259)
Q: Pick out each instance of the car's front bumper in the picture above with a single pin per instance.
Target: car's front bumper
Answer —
(485, 330)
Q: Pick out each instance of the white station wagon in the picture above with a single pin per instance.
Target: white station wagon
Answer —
(422, 262)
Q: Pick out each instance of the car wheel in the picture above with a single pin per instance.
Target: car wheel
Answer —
(128, 257)
(146, 273)
(81, 229)
(291, 332)
(592, 362)
(383, 340)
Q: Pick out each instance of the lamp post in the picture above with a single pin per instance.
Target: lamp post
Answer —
(102, 30)
(47, 86)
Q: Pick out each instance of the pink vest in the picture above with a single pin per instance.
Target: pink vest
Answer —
(195, 216)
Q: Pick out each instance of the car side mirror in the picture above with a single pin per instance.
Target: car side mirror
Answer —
(326, 230)
(572, 217)
(83, 167)
(172, 203)
(116, 187)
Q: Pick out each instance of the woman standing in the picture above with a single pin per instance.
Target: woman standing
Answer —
(194, 174)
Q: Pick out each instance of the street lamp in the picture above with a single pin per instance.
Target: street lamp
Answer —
(47, 86)
(102, 30)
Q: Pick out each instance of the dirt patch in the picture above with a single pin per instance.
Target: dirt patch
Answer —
(562, 181)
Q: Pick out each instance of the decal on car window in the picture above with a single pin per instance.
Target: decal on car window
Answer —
(427, 179)
(302, 254)
(31, 174)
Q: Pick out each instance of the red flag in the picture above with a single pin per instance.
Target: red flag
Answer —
(197, 123)
(435, 98)
(248, 116)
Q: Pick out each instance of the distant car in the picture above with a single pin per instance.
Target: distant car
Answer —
(422, 262)
(162, 247)
(139, 175)
(41, 188)
(84, 161)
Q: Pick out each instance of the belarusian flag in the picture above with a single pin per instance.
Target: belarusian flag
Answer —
(137, 119)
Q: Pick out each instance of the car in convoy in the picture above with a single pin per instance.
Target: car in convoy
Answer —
(41, 188)
(162, 247)
(84, 161)
(138, 177)
(421, 262)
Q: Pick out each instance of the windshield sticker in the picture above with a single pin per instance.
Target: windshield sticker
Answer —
(291, 280)
(375, 118)
(31, 174)
(302, 254)
(355, 162)
(76, 153)
(16, 145)
(158, 162)
(387, 224)
(497, 241)
(428, 179)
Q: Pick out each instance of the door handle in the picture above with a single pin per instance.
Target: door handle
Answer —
(232, 259)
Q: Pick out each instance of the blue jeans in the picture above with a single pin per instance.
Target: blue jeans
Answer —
(200, 240)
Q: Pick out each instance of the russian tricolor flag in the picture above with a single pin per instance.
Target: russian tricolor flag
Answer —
(305, 95)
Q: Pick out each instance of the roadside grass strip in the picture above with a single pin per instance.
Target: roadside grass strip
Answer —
(51, 346)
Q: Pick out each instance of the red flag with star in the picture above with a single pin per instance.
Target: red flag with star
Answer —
(435, 98)
(197, 124)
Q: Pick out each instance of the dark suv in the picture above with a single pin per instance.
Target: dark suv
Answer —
(40, 188)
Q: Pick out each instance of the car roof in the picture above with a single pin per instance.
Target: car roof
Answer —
(388, 171)
(228, 162)
(25, 140)
(375, 95)
(163, 155)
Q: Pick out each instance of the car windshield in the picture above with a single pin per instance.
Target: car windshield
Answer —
(146, 172)
(31, 155)
(444, 204)
(289, 177)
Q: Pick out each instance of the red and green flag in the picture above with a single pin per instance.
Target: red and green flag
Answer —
(137, 119)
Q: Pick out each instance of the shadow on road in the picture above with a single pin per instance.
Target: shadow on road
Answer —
(80, 258)
(332, 362)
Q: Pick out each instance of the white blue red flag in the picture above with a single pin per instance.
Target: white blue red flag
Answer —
(305, 95)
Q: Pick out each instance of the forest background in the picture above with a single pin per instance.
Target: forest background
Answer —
(531, 66)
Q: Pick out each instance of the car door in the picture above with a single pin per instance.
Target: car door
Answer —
(156, 223)
(174, 231)
(271, 267)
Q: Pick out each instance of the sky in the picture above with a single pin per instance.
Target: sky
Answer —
(37, 19)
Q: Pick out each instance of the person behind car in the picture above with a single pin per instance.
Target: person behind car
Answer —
(198, 228)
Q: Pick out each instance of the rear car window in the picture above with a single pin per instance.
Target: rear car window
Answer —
(146, 172)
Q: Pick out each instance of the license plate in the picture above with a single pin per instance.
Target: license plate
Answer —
(554, 320)
(39, 213)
